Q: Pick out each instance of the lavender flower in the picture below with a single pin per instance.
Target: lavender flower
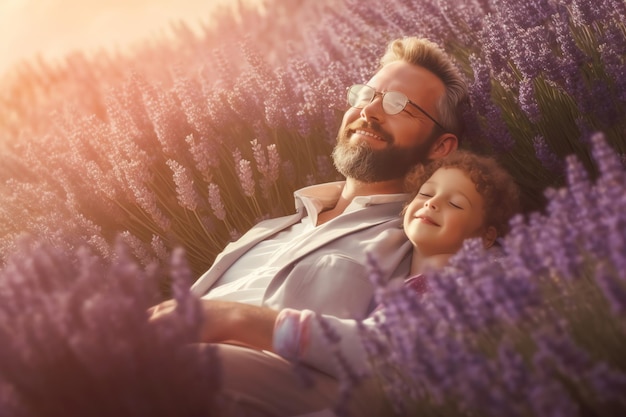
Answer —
(86, 348)
(548, 158)
(204, 153)
(244, 172)
(613, 287)
(215, 201)
(186, 193)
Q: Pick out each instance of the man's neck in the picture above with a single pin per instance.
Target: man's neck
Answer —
(354, 188)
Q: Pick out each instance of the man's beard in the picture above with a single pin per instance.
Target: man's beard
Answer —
(361, 162)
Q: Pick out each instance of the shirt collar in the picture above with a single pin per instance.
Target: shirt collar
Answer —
(316, 198)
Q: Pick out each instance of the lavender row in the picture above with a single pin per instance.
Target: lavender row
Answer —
(190, 141)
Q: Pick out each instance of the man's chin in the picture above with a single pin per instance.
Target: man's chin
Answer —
(368, 142)
(365, 171)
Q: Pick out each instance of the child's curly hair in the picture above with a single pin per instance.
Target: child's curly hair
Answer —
(496, 186)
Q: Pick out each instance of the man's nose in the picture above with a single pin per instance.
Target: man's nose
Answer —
(374, 109)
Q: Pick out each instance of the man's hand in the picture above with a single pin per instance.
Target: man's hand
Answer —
(229, 321)
(161, 310)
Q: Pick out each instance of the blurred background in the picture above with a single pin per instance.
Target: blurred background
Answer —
(51, 28)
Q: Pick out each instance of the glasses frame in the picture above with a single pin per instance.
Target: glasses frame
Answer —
(382, 96)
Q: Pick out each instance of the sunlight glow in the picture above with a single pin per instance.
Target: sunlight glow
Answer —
(52, 28)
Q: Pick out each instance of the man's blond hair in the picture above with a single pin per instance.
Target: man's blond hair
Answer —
(429, 55)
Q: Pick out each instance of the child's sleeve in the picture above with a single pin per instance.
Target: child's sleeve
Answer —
(303, 336)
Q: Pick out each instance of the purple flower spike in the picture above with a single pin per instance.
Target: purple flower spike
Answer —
(86, 346)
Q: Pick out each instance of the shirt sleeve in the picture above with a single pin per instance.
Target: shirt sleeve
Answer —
(318, 340)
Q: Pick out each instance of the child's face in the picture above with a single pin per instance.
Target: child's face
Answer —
(446, 211)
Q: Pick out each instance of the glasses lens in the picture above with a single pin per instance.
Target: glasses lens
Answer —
(360, 95)
(394, 102)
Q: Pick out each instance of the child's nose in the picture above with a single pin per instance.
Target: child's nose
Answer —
(431, 204)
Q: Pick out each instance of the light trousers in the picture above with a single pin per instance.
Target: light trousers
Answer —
(260, 383)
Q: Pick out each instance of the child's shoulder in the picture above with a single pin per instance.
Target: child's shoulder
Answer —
(417, 283)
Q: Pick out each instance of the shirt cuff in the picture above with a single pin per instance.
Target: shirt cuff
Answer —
(291, 333)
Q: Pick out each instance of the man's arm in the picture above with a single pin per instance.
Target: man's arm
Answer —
(229, 321)
(294, 334)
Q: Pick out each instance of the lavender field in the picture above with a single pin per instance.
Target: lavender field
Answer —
(123, 175)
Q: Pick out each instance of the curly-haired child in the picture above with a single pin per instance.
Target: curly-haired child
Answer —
(460, 197)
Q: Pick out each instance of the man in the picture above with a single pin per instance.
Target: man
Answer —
(407, 113)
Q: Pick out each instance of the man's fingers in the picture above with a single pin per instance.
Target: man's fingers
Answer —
(161, 309)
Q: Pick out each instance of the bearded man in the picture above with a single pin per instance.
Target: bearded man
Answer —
(408, 113)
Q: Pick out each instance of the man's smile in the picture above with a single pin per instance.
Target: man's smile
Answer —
(370, 134)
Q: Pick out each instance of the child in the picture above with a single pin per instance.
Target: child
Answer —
(460, 197)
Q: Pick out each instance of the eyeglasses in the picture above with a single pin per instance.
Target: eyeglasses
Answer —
(360, 95)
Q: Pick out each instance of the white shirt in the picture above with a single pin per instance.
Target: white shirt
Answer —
(248, 278)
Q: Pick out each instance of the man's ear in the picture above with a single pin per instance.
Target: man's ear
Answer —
(443, 146)
(489, 237)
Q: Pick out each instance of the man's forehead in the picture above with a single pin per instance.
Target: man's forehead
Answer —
(404, 76)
